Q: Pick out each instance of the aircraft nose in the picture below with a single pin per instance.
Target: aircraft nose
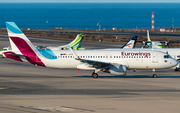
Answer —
(174, 62)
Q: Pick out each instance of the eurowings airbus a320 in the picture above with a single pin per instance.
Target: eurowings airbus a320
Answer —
(115, 62)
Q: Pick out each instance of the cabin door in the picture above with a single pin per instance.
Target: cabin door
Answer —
(154, 57)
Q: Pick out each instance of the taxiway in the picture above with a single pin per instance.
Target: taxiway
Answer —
(25, 88)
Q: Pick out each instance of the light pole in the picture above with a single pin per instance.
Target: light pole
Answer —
(172, 24)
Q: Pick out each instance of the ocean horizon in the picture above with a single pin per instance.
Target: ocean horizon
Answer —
(87, 15)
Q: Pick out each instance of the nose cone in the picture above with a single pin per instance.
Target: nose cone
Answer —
(170, 63)
(173, 62)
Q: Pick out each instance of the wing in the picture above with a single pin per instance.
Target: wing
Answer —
(112, 68)
(93, 63)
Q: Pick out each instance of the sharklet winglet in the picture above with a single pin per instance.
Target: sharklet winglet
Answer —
(74, 54)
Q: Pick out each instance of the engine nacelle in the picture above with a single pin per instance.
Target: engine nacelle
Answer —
(118, 70)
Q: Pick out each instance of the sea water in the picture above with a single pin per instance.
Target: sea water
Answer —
(87, 15)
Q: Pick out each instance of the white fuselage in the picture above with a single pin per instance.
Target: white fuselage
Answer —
(174, 52)
(133, 59)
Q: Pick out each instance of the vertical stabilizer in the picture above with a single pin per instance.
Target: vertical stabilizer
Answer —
(18, 40)
(21, 45)
(76, 43)
(148, 38)
(131, 42)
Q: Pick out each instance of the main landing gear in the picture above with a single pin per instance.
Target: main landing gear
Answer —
(154, 75)
(94, 75)
(177, 69)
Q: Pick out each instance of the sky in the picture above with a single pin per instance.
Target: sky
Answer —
(90, 1)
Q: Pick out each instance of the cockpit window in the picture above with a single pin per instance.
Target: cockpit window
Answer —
(167, 56)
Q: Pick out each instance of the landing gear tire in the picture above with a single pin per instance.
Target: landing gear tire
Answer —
(177, 69)
(154, 76)
(94, 75)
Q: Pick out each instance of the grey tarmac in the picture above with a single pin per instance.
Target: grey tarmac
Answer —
(25, 88)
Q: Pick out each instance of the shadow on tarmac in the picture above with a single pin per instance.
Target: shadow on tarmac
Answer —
(134, 76)
(86, 76)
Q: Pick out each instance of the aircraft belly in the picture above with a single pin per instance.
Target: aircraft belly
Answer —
(61, 63)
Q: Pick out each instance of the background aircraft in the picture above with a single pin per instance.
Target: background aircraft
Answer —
(75, 44)
(131, 42)
(152, 44)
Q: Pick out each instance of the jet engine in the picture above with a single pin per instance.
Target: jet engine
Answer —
(118, 69)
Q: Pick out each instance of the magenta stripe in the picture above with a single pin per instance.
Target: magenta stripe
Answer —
(27, 51)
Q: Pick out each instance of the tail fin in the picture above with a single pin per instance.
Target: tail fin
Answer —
(21, 45)
(76, 43)
(18, 41)
(148, 38)
(131, 42)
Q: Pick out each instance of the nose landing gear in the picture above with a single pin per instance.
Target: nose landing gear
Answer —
(154, 75)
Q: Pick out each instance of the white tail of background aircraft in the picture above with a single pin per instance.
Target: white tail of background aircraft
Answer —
(75, 44)
(152, 44)
(115, 62)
